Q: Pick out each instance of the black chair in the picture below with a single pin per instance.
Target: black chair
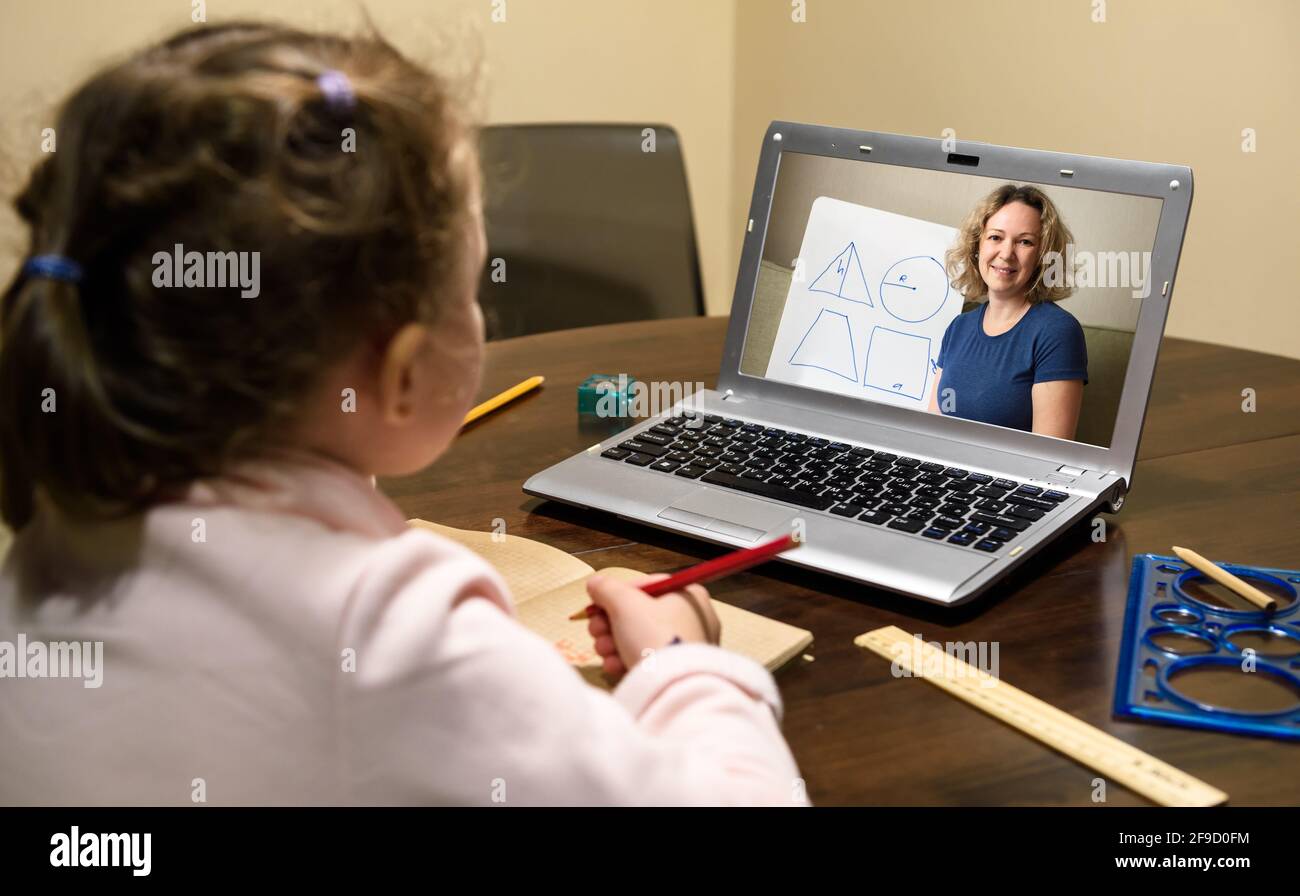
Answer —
(592, 229)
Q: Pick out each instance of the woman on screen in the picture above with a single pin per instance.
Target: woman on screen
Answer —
(1018, 360)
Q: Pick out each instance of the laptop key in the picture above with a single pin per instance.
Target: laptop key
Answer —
(766, 490)
(730, 424)
(979, 478)
(654, 438)
(1005, 484)
(644, 448)
(1031, 491)
(977, 528)
(876, 517)
(1009, 522)
(988, 544)
(665, 466)
(951, 509)
(962, 538)
(1003, 534)
(906, 524)
(861, 452)
(990, 506)
(885, 457)
(662, 430)
(783, 481)
(1036, 503)
(707, 462)
(712, 418)
(955, 473)
(681, 457)
(1032, 514)
(615, 453)
(758, 475)
(1054, 495)
(990, 491)
(731, 469)
(931, 467)
(847, 509)
(933, 532)
(947, 522)
(962, 486)
(910, 462)
(639, 460)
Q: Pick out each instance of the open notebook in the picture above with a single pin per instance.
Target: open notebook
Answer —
(547, 587)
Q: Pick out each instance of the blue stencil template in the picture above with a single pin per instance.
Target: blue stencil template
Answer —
(1170, 635)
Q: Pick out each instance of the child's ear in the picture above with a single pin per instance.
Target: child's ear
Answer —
(399, 371)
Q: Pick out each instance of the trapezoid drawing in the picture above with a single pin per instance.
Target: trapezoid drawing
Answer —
(828, 346)
(843, 277)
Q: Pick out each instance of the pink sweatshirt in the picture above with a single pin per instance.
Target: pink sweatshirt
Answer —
(281, 636)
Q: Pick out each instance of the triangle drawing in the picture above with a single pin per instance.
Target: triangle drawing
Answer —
(843, 277)
(828, 346)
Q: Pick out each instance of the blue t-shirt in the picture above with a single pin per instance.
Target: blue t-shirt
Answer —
(991, 376)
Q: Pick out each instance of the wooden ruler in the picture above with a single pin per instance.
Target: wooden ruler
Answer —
(1096, 749)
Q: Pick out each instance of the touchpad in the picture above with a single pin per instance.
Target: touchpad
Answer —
(731, 515)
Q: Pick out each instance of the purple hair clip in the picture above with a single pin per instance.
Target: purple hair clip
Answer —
(337, 90)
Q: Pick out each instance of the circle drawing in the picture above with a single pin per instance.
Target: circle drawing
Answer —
(914, 289)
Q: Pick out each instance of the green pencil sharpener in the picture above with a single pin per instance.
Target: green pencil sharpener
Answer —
(605, 395)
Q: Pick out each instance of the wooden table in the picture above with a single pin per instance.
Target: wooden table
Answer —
(1211, 476)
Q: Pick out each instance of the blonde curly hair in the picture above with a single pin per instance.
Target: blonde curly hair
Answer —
(962, 260)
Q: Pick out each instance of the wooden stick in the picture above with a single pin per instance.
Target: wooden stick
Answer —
(1227, 579)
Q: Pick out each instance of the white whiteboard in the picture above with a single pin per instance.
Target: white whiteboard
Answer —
(868, 305)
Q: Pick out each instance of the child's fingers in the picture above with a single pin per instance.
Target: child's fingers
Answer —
(605, 646)
(598, 624)
(613, 666)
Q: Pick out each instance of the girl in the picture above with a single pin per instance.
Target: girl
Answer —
(187, 460)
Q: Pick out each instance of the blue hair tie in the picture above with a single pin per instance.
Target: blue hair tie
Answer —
(337, 89)
(53, 267)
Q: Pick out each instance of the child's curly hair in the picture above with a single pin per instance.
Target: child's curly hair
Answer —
(114, 392)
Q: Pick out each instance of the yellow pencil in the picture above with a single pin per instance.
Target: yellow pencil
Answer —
(505, 397)
(1227, 579)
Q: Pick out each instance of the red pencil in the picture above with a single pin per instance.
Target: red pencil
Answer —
(709, 570)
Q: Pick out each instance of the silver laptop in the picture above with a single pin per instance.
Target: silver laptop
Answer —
(863, 403)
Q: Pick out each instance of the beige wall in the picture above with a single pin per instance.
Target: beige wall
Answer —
(1162, 80)
(652, 61)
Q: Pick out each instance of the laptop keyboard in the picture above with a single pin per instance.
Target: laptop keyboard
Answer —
(935, 501)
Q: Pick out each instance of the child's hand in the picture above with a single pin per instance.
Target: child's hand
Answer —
(629, 625)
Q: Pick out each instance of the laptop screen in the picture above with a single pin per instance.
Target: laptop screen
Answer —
(1008, 303)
